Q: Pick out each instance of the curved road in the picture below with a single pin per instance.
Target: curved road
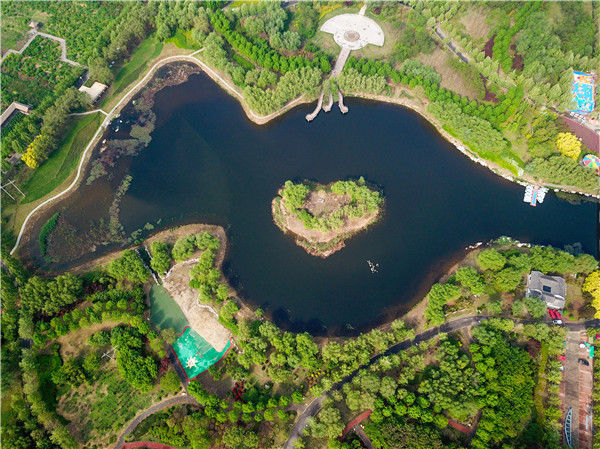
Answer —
(315, 406)
(177, 400)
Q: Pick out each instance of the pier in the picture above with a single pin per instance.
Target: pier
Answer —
(329, 104)
(534, 195)
(341, 104)
(310, 117)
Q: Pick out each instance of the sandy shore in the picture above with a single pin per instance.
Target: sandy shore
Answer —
(202, 318)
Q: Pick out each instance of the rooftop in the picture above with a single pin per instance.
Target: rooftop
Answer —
(550, 289)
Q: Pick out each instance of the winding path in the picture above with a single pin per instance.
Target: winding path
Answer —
(103, 125)
(93, 111)
(127, 97)
(177, 400)
(315, 406)
(33, 34)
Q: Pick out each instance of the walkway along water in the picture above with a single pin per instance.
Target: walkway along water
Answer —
(315, 406)
(111, 114)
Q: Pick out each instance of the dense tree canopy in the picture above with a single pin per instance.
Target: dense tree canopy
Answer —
(129, 266)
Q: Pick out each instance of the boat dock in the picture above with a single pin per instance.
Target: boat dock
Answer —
(534, 195)
(310, 117)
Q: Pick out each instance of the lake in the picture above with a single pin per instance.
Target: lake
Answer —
(208, 163)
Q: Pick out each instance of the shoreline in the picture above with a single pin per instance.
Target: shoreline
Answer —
(330, 246)
(261, 120)
(460, 146)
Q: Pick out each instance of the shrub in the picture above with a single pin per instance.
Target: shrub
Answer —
(161, 259)
(129, 266)
(184, 248)
(491, 259)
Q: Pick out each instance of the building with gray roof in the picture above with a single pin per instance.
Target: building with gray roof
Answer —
(550, 289)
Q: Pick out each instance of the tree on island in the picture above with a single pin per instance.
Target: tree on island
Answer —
(360, 201)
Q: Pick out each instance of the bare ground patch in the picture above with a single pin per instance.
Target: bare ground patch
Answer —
(475, 22)
(451, 79)
(315, 242)
(202, 319)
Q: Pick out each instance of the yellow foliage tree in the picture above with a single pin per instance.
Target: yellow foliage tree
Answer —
(37, 150)
(569, 145)
(29, 158)
(592, 286)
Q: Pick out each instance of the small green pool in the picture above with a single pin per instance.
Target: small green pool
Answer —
(164, 311)
(195, 354)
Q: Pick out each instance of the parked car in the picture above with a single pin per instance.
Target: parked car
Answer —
(557, 321)
(584, 362)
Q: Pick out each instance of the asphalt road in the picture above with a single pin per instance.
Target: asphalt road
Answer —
(315, 406)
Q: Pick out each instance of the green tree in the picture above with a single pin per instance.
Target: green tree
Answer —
(129, 266)
(469, 277)
(240, 438)
(507, 279)
(161, 258)
(184, 248)
(491, 259)
(169, 382)
(535, 306)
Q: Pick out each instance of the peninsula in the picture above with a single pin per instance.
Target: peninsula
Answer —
(323, 217)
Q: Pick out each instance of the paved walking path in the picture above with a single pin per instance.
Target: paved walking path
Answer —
(177, 400)
(32, 36)
(89, 112)
(356, 421)
(363, 437)
(576, 390)
(571, 380)
(315, 406)
(340, 62)
(126, 98)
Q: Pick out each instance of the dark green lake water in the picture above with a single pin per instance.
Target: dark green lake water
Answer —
(164, 311)
(208, 163)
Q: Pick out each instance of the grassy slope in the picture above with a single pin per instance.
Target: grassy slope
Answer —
(63, 161)
(131, 70)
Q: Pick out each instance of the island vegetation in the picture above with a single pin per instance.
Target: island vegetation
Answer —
(322, 217)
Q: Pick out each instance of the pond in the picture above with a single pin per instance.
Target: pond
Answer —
(164, 311)
(208, 163)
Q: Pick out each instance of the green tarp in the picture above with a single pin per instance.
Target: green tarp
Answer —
(195, 354)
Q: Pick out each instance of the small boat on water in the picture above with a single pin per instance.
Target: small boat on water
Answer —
(373, 266)
(534, 195)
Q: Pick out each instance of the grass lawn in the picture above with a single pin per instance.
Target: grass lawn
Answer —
(238, 3)
(131, 70)
(63, 161)
(14, 27)
(183, 39)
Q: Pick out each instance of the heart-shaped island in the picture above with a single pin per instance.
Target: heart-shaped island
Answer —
(322, 217)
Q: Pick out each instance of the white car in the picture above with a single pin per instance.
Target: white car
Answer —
(557, 321)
